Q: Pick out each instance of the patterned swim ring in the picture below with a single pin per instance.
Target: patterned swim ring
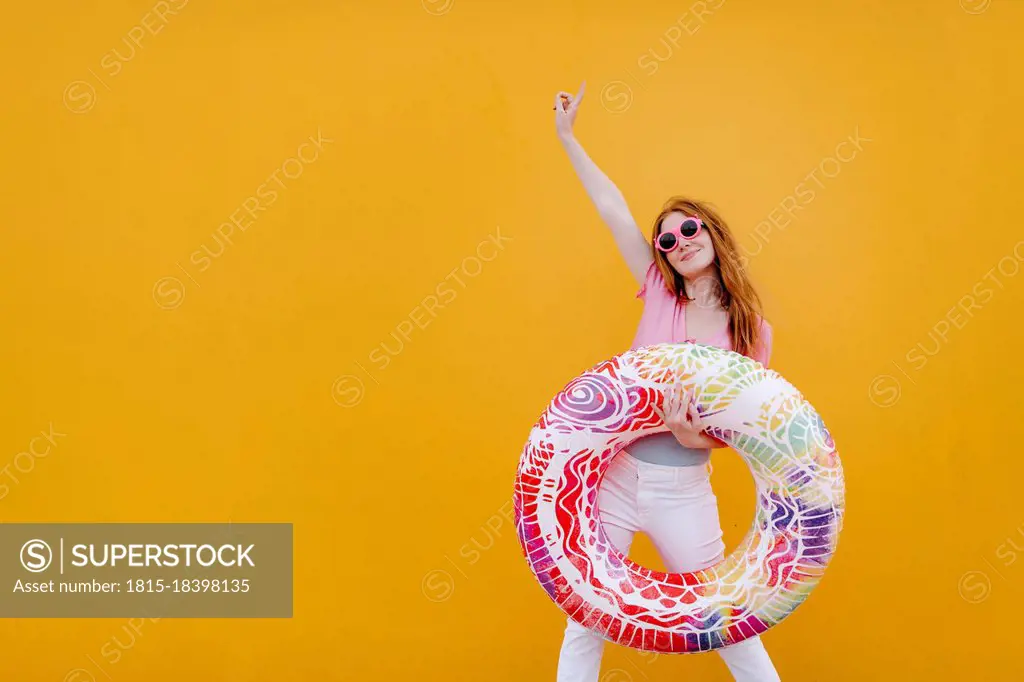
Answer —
(800, 500)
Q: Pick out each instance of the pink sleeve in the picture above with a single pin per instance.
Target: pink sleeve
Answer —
(653, 280)
(764, 345)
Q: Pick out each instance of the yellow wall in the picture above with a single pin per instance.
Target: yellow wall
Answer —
(208, 390)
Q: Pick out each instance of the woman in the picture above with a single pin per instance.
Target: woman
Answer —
(695, 289)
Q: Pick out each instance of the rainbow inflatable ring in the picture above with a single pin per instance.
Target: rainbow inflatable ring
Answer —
(800, 500)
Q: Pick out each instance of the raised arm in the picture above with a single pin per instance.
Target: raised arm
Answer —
(607, 198)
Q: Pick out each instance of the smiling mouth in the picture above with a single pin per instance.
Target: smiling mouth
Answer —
(687, 254)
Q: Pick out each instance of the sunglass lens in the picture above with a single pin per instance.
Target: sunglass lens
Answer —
(667, 241)
(689, 228)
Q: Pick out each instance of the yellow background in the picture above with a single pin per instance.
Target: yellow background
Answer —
(226, 405)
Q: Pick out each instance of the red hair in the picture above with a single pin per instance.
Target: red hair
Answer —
(737, 293)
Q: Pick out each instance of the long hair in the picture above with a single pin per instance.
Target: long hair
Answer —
(737, 294)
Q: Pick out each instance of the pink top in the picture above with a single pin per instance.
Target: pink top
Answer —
(663, 320)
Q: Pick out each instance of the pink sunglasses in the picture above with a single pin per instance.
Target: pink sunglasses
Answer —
(671, 238)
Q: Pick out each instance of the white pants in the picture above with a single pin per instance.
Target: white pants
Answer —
(677, 509)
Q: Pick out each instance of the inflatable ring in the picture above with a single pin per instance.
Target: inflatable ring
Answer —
(800, 500)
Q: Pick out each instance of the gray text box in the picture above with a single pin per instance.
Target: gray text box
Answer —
(156, 570)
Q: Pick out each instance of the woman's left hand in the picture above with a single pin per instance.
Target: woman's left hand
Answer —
(681, 416)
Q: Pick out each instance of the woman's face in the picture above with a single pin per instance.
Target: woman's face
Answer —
(692, 256)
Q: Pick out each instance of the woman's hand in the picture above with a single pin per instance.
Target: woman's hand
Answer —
(566, 106)
(681, 416)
